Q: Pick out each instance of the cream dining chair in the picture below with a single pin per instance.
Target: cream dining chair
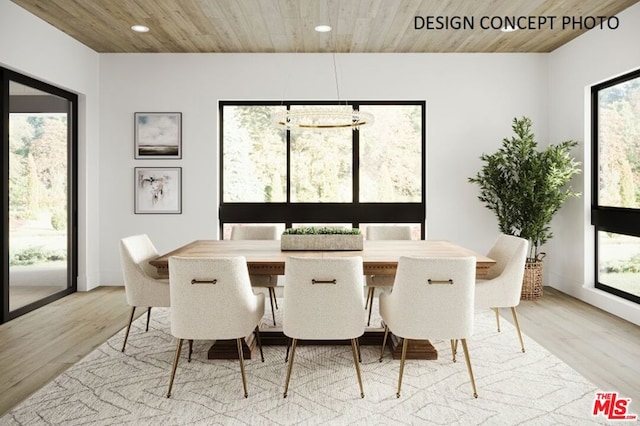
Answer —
(502, 286)
(143, 286)
(323, 300)
(212, 299)
(260, 232)
(432, 298)
(382, 232)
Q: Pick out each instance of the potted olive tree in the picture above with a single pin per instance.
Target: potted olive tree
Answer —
(525, 187)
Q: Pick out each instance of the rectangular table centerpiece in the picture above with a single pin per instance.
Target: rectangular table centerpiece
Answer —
(331, 239)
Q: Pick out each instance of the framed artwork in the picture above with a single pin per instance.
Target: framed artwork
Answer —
(158, 190)
(158, 135)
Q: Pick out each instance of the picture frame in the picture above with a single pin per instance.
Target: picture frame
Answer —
(158, 135)
(158, 190)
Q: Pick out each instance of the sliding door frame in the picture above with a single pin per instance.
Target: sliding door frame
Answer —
(6, 76)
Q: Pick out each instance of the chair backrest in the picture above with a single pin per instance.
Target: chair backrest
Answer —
(510, 254)
(388, 232)
(385, 232)
(135, 253)
(255, 232)
(211, 298)
(433, 298)
(323, 298)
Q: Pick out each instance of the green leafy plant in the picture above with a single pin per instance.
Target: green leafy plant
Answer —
(34, 255)
(631, 265)
(525, 187)
(322, 230)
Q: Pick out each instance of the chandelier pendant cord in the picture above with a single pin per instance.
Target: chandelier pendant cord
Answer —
(339, 117)
(335, 76)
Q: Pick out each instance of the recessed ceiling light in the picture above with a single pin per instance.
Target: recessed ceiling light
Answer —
(323, 28)
(140, 28)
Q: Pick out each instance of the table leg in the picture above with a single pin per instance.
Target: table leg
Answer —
(227, 349)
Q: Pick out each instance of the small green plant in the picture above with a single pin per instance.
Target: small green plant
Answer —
(321, 230)
(59, 220)
(32, 255)
(27, 256)
(631, 265)
(525, 187)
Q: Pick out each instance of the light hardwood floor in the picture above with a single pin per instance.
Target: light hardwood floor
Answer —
(602, 347)
(20, 296)
(40, 345)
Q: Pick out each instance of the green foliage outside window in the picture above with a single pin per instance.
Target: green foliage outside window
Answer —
(619, 145)
(38, 167)
(321, 162)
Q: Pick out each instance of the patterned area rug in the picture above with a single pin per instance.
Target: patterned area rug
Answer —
(109, 387)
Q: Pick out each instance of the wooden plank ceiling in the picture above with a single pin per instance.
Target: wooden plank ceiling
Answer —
(288, 25)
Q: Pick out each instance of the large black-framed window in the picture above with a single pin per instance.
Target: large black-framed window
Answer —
(615, 203)
(39, 131)
(377, 174)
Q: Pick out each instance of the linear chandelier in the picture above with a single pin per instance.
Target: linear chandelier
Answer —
(330, 117)
(341, 116)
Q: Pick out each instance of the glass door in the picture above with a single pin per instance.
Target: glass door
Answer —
(39, 157)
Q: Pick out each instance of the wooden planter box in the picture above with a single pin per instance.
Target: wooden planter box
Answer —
(334, 242)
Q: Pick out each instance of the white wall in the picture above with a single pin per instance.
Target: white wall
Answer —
(591, 58)
(471, 101)
(30, 46)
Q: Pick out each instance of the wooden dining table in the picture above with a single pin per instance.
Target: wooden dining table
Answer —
(379, 257)
(264, 257)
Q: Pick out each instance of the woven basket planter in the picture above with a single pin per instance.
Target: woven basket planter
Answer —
(532, 286)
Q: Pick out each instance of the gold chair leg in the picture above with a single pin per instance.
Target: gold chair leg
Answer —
(293, 353)
(175, 366)
(148, 318)
(405, 343)
(190, 350)
(286, 357)
(454, 348)
(126, 335)
(515, 321)
(384, 341)
(271, 298)
(241, 358)
(354, 347)
(257, 332)
(366, 303)
(466, 356)
(370, 297)
(497, 318)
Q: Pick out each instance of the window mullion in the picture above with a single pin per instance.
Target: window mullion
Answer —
(355, 162)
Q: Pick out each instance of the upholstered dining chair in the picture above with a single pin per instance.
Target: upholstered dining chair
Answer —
(143, 286)
(260, 232)
(382, 232)
(432, 298)
(212, 299)
(323, 300)
(502, 286)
